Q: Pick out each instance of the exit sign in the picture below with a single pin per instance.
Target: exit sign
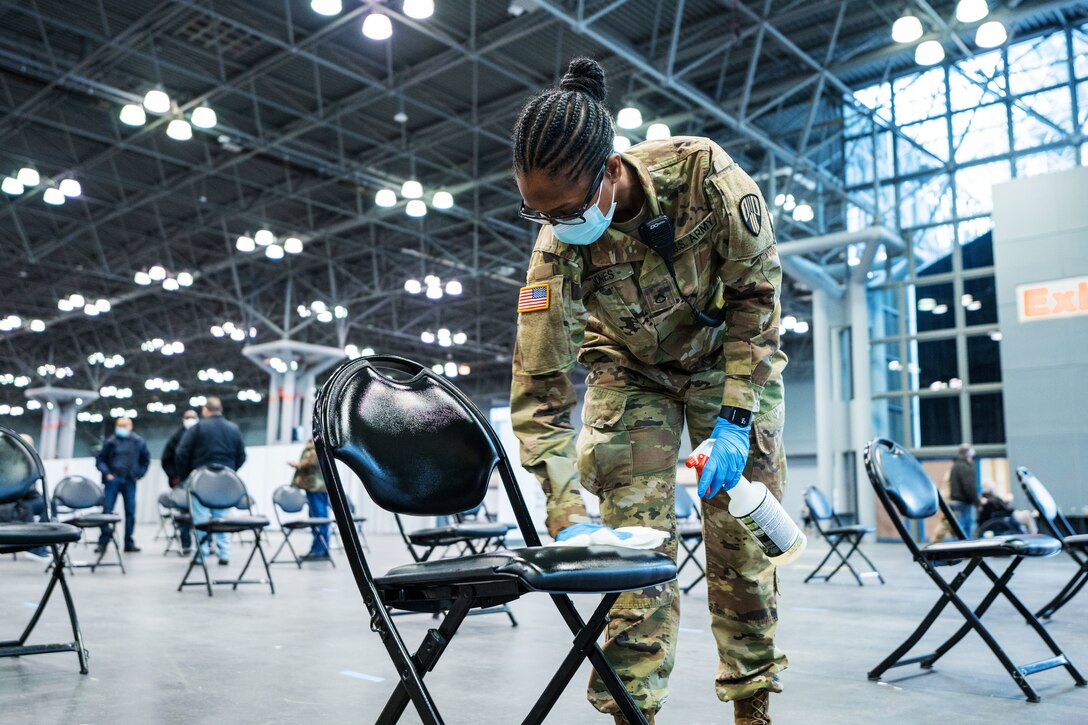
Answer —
(1052, 300)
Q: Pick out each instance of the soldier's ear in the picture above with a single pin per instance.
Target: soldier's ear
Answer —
(613, 168)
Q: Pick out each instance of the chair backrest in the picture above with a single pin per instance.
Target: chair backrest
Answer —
(1043, 502)
(416, 442)
(179, 498)
(79, 492)
(290, 499)
(684, 507)
(216, 486)
(819, 507)
(894, 472)
(20, 467)
(165, 501)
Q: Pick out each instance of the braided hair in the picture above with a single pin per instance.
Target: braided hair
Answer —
(567, 130)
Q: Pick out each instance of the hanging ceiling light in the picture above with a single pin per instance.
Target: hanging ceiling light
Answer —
(179, 130)
(377, 27)
(460, 338)
(803, 213)
(415, 208)
(245, 244)
(419, 9)
(442, 200)
(133, 115)
(170, 284)
(37, 326)
(411, 189)
(629, 117)
(273, 251)
(156, 101)
(185, 279)
(658, 132)
(142, 278)
(412, 286)
(620, 144)
(157, 273)
(427, 337)
(326, 7)
(451, 370)
(28, 176)
(991, 34)
(929, 52)
(204, 117)
(907, 29)
(70, 188)
(385, 198)
(53, 196)
(264, 237)
(434, 292)
(971, 11)
(12, 186)
(292, 245)
(453, 287)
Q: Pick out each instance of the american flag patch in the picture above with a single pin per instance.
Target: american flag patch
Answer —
(534, 297)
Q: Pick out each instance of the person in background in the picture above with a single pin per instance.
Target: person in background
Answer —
(994, 505)
(963, 489)
(308, 478)
(170, 466)
(26, 509)
(123, 461)
(214, 439)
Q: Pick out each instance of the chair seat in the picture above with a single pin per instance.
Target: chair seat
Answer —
(183, 519)
(553, 569)
(1077, 541)
(453, 533)
(37, 534)
(855, 530)
(306, 523)
(1012, 545)
(90, 520)
(689, 529)
(232, 524)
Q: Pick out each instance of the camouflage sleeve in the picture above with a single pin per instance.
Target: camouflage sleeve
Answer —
(542, 396)
(751, 275)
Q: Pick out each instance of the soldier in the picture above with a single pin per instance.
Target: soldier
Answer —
(685, 333)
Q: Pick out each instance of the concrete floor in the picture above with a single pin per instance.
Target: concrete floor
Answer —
(306, 654)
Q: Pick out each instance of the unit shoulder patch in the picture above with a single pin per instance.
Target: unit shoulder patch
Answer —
(534, 298)
(751, 213)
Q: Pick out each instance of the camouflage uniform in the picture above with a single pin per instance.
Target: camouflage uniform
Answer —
(614, 306)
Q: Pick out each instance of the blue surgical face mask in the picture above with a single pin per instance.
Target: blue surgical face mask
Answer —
(592, 228)
(121, 432)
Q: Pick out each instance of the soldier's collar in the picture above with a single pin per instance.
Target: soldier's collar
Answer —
(644, 179)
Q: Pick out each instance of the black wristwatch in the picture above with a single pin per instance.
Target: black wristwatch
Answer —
(736, 416)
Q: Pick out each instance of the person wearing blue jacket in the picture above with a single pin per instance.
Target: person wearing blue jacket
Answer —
(123, 461)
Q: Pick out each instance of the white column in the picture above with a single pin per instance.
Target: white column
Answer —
(273, 425)
(287, 406)
(47, 446)
(309, 385)
(861, 407)
(825, 404)
(66, 429)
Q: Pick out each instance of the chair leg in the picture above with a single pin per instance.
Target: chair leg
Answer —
(260, 550)
(328, 547)
(77, 632)
(893, 659)
(846, 562)
(286, 542)
(245, 568)
(823, 561)
(1070, 590)
(872, 567)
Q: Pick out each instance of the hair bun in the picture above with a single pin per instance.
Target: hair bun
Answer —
(585, 75)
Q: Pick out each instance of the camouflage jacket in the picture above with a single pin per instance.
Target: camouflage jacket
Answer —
(613, 303)
(308, 472)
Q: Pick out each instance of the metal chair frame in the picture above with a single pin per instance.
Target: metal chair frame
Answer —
(1058, 526)
(839, 534)
(18, 647)
(458, 600)
(278, 506)
(59, 501)
(927, 559)
(687, 512)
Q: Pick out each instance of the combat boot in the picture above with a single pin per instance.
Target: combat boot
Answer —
(621, 720)
(754, 710)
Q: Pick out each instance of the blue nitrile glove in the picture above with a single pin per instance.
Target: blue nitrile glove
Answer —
(578, 529)
(727, 458)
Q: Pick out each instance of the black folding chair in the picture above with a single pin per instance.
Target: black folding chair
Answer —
(1055, 524)
(689, 532)
(218, 487)
(166, 512)
(177, 501)
(906, 490)
(78, 495)
(421, 447)
(291, 500)
(470, 536)
(20, 470)
(820, 509)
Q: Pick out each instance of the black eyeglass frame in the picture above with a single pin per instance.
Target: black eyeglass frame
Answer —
(578, 217)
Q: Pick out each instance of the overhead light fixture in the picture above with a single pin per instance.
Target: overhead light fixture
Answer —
(156, 101)
(185, 279)
(340, 312)
(170, 284)
(385, 198)
(940, 309)
(991, 34)
(37, 326)
(157, 273)
(789, 203)
(427, 337)
(453, 287)
(326, 7)
(451, 370)
(434, 292)
(419, 9)
(70, 188)
(926, 304)
(789, 322)
(803, 213)
(907, 29)
(929, 52)
(273, 251)
(658, 132)
(245, 244)
(65, 305)
(103, 305)
(377, 27)
(415, 208)
(12, 186)
(971, 11)
(411, 189)
(412, 286)
(438, 368)
(801, 327)
(133, 115)
(442, 200)
(460, 338)
(179, 130)
(204, 117)
(292, 245)
(53, 196)
(28, 176)
(629, 117)
(264, 237)
(620, 144)
(974, 306)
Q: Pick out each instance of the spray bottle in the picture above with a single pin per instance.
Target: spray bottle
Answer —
(761, 514)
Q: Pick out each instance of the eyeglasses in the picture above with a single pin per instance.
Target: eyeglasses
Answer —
(578, 217)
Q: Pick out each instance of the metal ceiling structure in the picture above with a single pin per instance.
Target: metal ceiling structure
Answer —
(307, 134)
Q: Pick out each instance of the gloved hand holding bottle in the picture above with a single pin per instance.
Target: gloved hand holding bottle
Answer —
(727, 458)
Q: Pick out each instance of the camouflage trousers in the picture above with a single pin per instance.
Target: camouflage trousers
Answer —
(627, 455)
